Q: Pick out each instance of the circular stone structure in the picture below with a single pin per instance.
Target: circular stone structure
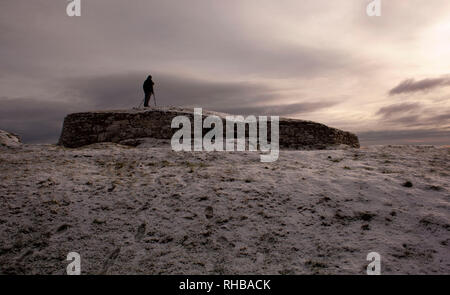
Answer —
(118, 126)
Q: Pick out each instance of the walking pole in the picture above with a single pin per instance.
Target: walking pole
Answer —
(154, 97)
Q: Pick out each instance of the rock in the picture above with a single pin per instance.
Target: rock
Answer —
(407, 184)
(9, 139)
(209, 212)
(128, 126)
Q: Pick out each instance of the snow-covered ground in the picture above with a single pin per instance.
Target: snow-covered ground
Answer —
(149, 210)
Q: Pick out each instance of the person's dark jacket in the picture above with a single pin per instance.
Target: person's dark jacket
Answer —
(148, 86)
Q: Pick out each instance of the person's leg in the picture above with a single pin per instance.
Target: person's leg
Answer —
(147, 99)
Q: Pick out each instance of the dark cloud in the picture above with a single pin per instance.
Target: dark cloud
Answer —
(197, 34)
(410, 85)
(413, 137)
(396, 109)
(407, 121)
(281, 110)
(404, 114)
(413, 115)
(34, 120)
(438, 119)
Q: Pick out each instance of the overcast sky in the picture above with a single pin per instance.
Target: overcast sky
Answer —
(385, 78)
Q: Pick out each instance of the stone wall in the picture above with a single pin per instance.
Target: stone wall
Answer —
(81, 129)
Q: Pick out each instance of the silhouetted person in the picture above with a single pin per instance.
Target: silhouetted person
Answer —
(148, 90)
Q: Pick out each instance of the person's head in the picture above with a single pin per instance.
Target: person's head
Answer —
(149, 77)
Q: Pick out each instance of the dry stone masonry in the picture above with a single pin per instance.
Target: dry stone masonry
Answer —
(124, 126)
